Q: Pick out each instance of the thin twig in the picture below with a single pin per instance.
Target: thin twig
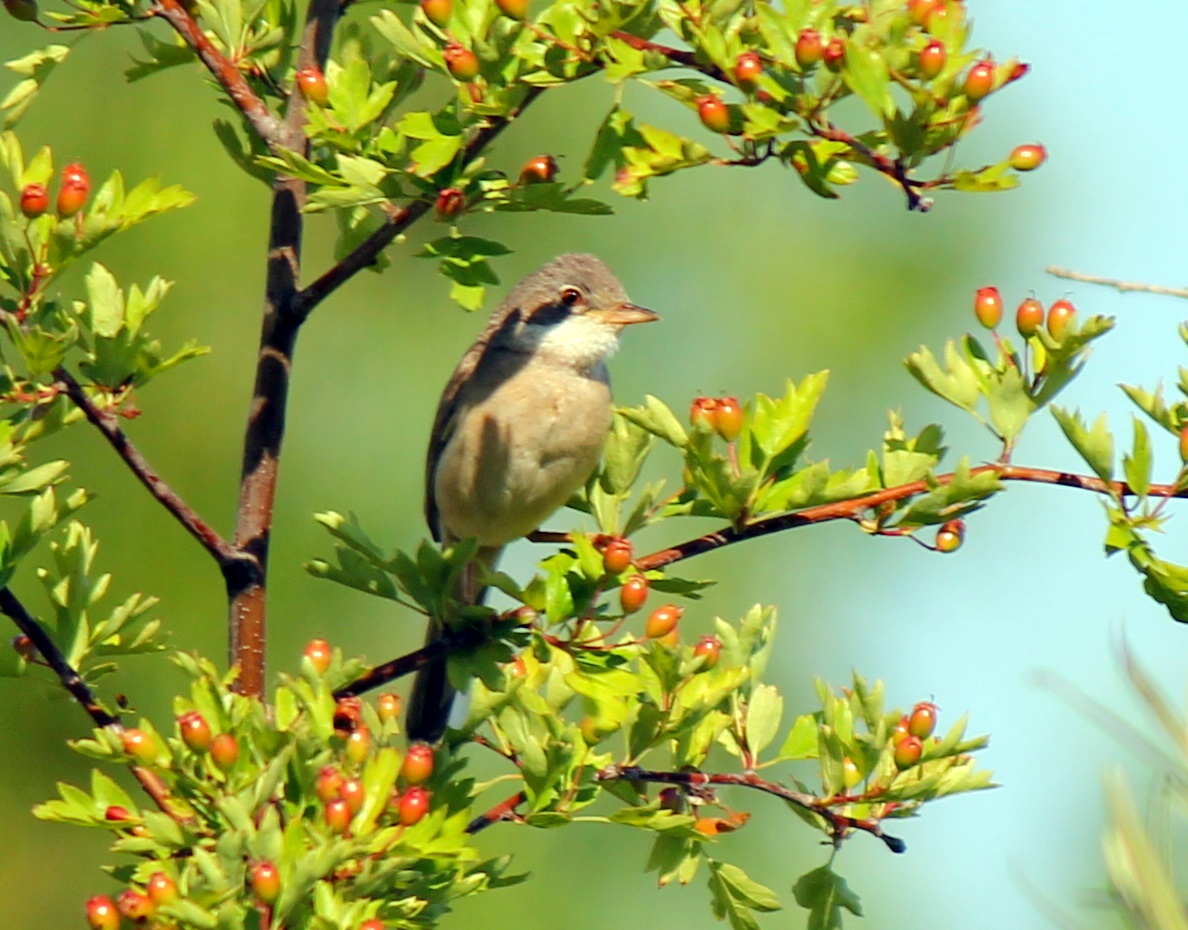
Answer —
(266, 124)
(1123, 286)
(450, 642)
(851, 509)
(108, 425)
(72, 681)
(365, 254)
(501, 812)
(839, 824)
(892, 168)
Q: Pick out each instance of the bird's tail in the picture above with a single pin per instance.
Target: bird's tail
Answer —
(432, 696)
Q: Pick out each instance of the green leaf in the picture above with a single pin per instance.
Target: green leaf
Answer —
(867, 75)
(1095, 445)
(825, 894)
(35, 67)
(1137, 465)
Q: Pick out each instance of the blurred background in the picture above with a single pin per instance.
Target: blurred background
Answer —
(758, 281)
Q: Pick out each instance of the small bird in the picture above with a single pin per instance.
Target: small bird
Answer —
(519, 428)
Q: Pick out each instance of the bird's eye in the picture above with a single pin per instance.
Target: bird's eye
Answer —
(570, 296)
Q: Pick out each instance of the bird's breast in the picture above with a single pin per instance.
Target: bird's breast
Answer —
(519, 453)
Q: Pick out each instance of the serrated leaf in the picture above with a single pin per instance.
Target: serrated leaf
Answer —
(825, 894)
(1094, 444)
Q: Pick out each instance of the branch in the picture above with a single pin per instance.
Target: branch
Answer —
(682, 57)
(503, 811)
(72, 681)
(364, 254)
(1123, 286)
(266, 124)
(265, 429)
(450, 642)
(892, 168)
(839, 824)
(108, 425)
(852, 509)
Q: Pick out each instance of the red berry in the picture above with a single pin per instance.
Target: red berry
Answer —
(328, 784)
(617, 555)
(1029, 317)
(516, 9)
(728, 418)
(633, 593)
(388, 706)
(265, 881)
(908, 752)
(932, 59)
(338, 815)
(539, 170)
(23, 10)
(1028, 157)
(319, 654)
(662, 621)
(116, 814)
(72, 197)
(980, 80)
(950, 536)
(450, 202)
(437, 11)
(23, 646)
(352, 792)
(417, 767)
(312, 84)
(374, 924)
(714, 113)
(161, 888)
(900, 731)
(358, 745)
(34, 200)
(834, 55)
(195, 731)
(748, 68)
(1060, 315)
(809, 49)
(850, 773)
(348, 714)
(140, 745)
(922, 721)
(102, 913)
(918, 10)
(414, 804)
(701, 412)
(708, 648)
(461, 62)
(672, 799)
(1184, 444)
(224, 750)
(134, 905)
(988, 306)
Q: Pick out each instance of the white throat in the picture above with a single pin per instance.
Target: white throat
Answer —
(579, 342)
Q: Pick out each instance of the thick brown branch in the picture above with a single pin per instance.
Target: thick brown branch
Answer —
(452, 641)
(364, 254)
(1123, 286)
(108, 425)
(266, 418)
(839, 824)
(853, 509)
(70, 679)
(268, 127)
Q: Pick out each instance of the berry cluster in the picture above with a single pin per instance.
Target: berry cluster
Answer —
(73, 190)
(723, 415)
(1029, 316)
(909, 735)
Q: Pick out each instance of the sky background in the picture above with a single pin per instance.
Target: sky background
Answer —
(757, 281)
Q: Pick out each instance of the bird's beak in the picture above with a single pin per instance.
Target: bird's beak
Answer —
(623, 315)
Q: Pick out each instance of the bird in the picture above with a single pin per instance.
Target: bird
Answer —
(519, 429)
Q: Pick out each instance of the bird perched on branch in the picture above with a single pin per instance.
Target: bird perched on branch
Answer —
(519, 428)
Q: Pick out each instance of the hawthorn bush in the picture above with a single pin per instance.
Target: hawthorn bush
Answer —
(294, 801)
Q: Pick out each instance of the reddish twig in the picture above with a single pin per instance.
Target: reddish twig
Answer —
(108, 425)
(364, 254)
(892, 168)
(266, 124)
(503, 811)
(839, 824)
(73, 682)
(851, 509)
(682, 57)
